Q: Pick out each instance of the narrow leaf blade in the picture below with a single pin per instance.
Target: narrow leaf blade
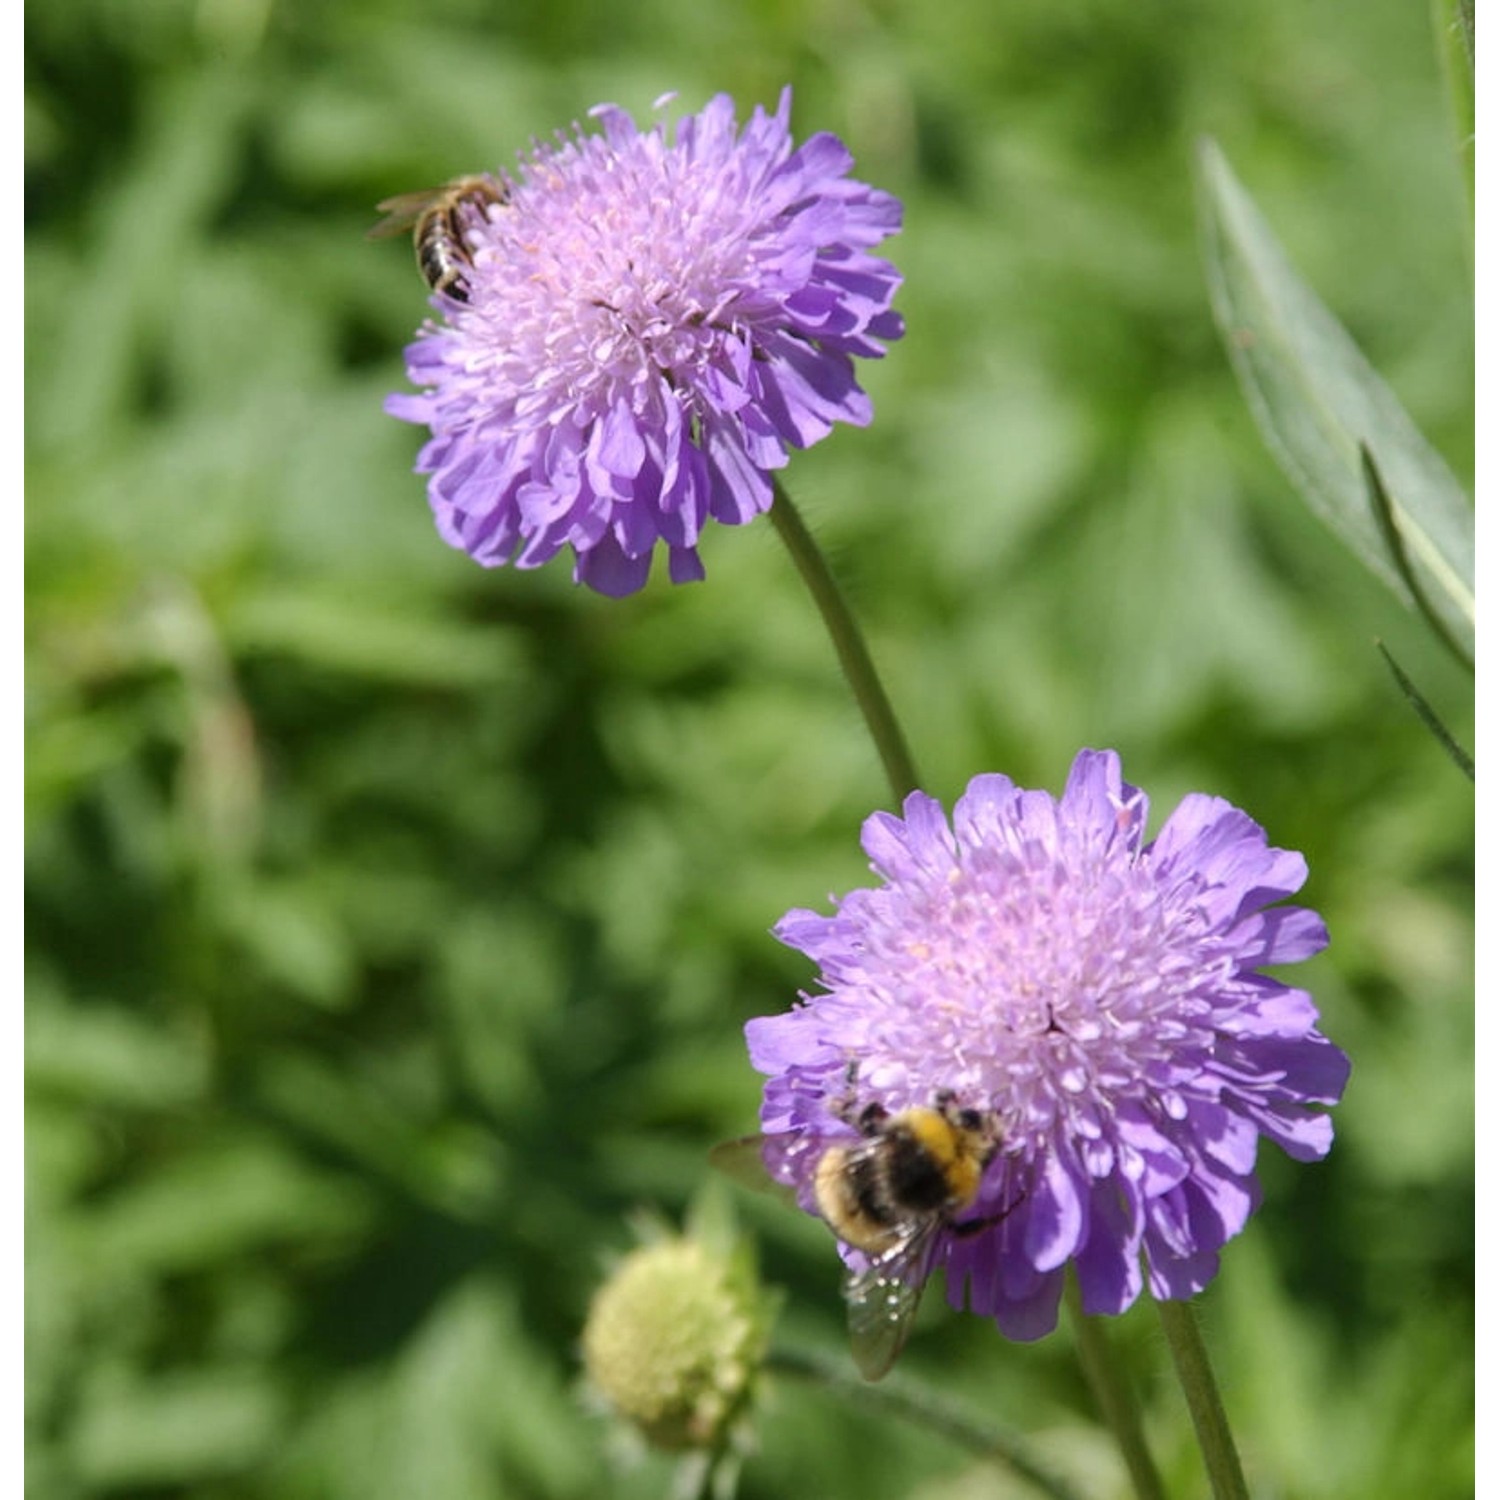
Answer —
(1423, 710)
(1318, 401)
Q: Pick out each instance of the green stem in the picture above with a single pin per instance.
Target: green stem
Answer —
(849, 643)
(1453, 27)
(1113, 1394)
(1197, 1379)
(924, 1410)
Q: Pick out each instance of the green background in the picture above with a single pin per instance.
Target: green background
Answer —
(391, 923)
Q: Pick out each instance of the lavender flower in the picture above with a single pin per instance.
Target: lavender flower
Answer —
(650, 324)
(1097, 999)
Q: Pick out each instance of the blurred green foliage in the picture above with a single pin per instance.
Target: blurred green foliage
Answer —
(390, 924)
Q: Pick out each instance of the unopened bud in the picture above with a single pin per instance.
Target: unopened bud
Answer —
(672, 1342)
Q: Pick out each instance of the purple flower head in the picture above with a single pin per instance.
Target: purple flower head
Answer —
(1097, 999)
(651, 321)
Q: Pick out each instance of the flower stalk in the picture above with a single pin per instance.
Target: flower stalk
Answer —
(1114, 1397)
(1190, 1356)
(849, 644)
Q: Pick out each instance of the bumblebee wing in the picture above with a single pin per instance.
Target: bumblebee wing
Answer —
(754, 1161)
(401, 212)
(883, 1300)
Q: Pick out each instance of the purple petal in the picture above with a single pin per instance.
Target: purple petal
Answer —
(1054, 1217)
(1109, 1265)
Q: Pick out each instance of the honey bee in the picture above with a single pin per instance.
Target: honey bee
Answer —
(890, 1193)
(436, 219)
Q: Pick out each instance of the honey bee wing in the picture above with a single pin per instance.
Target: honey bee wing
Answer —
(753, 1160)
(883, 1300)
(401, 212)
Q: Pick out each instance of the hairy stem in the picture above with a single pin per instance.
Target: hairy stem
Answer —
(849, 644)
(1196, 1375)
(1116, 1401)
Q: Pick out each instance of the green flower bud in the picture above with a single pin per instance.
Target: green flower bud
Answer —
(672, 1342)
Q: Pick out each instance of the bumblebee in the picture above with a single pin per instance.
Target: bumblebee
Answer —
(436, 219)
(889, 1194)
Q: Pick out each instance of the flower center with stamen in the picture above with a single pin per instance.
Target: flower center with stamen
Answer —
(650, 290)
(1073, 985)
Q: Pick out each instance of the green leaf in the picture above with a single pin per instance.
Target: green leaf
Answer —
(382, 638)
(1385, 518)
(450, 1166)
(472, 1407)
(231, 1195)
(177, 1428)
(288, 933)
(161, 196)
(105, 1053)
(1423, 710)
(1317, 400)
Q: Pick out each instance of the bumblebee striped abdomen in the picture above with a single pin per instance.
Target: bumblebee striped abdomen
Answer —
(891, 1192)
(917, 1167)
